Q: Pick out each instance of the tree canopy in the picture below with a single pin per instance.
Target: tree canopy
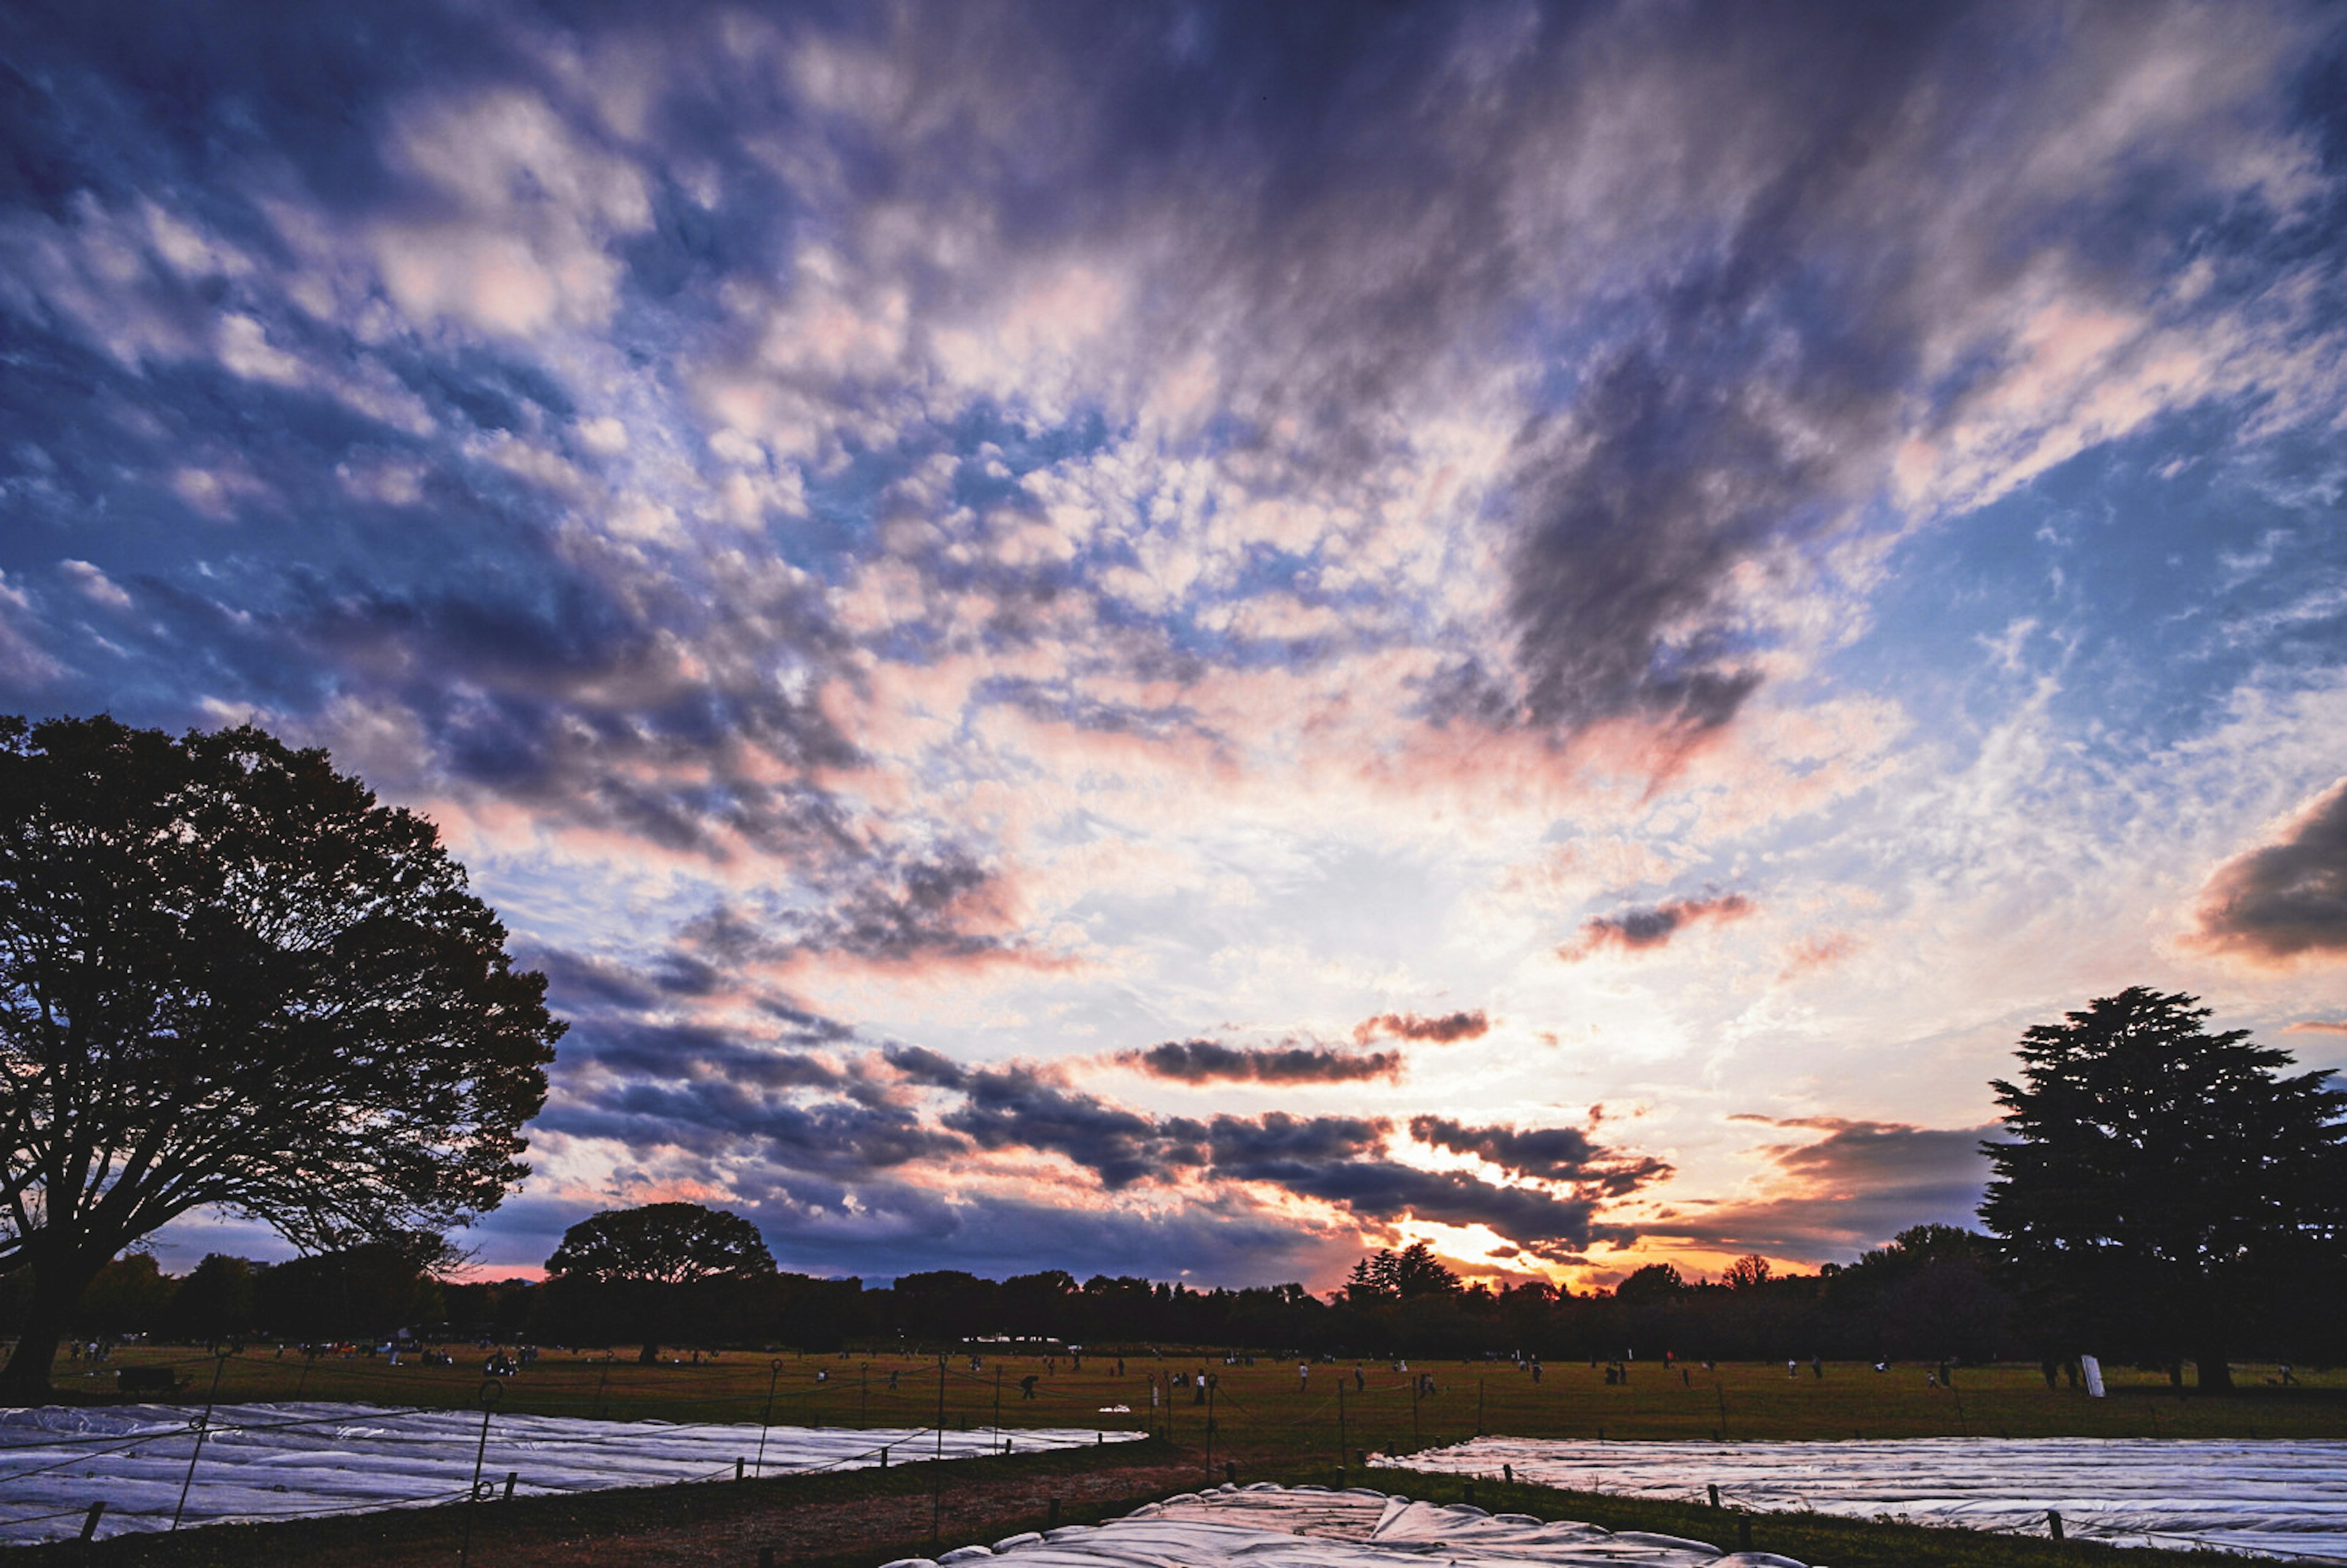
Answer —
(2156, 1176)
(1403, 1276)
(230, 978)
(661, 1244)
(653, 1274)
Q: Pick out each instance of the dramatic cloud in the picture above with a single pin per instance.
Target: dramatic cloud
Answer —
(1443, 1029)
(1549, 1154)
(1016, 1107)
(1207, 1062)
(2287, 899)
(914, 551)
(1636, 929)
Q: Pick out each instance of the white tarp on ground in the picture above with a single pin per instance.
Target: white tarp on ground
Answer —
(1266, 1526)
(2282, 1497)
(279, 1461)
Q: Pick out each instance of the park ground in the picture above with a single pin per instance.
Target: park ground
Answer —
(1268, 1425)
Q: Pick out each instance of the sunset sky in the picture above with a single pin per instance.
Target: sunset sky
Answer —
(1187, 641)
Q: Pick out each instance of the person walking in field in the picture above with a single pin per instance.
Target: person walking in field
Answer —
(1303, 1376)
(1027, 1386)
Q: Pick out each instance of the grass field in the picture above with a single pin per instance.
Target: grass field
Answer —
(1259, 1409)
(1264, 1429)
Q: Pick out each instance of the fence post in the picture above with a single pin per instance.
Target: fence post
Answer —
(89, 1523)
(203, 1424)
(513, 1478)
(2054, 1520)
(491, 1392)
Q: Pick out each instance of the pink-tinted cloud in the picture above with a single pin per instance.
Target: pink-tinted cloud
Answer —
(1837, 1195)
(1820, 951)
(2286, 901)
(1444, 1029)
(1638, 929)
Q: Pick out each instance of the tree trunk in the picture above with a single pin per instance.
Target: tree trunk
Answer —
(58, 1284)
(648, 1355)
(2216, 1375)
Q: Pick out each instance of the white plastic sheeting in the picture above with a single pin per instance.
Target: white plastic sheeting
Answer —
(2283, 1497)
(1266, 1526)
(281, 1461)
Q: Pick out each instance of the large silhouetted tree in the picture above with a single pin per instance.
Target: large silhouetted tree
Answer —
(2158, 1176)
(640, 1270)
(229, 978)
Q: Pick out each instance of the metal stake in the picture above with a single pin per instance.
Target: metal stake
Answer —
(203, 1424)
(491, 1392)
(773, 1375)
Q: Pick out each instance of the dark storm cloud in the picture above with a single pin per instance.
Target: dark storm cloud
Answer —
(1208, 1062)
(1549, 1154)
(1653, 925)
(1443, 1029)
(714, 1118)
(1854, 1188)
(2286, 900)
(1015, 1107)
(1277, 1147)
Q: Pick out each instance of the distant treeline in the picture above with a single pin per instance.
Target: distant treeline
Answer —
(1935, 1293)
